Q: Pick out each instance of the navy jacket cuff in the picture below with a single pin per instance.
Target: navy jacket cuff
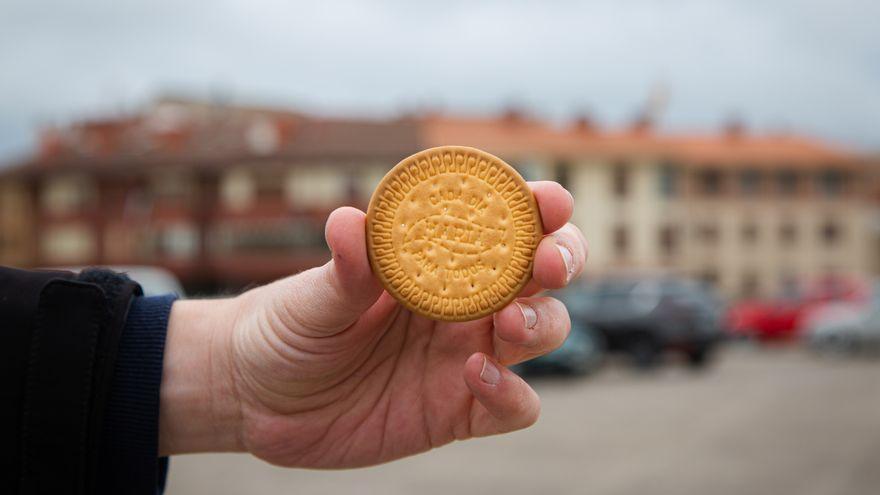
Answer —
(131, 461)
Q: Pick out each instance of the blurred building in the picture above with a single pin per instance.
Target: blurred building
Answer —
(227, 195)
(751, 214)
(223, 196)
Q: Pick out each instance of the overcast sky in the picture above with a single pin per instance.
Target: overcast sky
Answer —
(800, 65)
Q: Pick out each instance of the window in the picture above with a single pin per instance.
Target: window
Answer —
(563, 174)
(750, 182)
(64, 194)
(138, 202)
(171, 187)
(316, 187)
(263, 136)
(831, 182)
(709, 276)
(178, 241)
(368, 180)
(125, 241)
(830, 233)
(268, 237)
(668, 240)
(708, 233)
(269, 185)
(749, 233)
(68, 244)
(620, 239)
(709, 181)
(788, 285)
(787, 182)
(750, 285)
(620, 180)
(237, 189)
(787, 233)
(668, 181)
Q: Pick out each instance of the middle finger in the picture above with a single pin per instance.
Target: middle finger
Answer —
(559, 258)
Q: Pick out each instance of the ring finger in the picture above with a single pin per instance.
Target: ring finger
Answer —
(530, 327)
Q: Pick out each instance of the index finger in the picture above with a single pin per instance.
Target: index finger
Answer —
(554, 202)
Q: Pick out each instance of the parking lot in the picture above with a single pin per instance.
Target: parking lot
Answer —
(759, 421)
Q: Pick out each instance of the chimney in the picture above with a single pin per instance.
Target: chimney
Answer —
(287, 127)
(734, 128)
(642, 124)
(651, 111)
(50, 142)
(512, 115)
(584, 124)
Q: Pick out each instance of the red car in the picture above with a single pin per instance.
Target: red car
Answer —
(782, 318)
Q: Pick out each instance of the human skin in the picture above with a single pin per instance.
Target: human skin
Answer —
(324, 369)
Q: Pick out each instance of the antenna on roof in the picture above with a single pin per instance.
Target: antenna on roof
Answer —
(658, 100)
(652, 109)
(512, 115)
(583, 122)
(514, 111)
(734, 127)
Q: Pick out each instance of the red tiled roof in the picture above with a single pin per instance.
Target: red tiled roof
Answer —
(535, 138)
(774, 151)
(175, 132)
(182, 133)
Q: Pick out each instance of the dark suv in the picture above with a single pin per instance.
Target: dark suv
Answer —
(645, 316)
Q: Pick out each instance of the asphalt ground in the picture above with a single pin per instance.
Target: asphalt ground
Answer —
(758, 421)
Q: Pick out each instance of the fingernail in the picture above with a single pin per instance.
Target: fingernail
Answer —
(567, 259)
(530, 317)
(490, 373)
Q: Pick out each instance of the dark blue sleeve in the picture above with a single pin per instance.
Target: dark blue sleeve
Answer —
(130, 462)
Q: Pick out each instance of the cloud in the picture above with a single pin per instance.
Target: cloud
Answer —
(808, 66)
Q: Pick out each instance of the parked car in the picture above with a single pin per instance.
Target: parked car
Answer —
(647, 316)
(580, 354)
(783, 318)
(844, 328)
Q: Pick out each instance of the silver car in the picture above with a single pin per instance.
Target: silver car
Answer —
(846, 327)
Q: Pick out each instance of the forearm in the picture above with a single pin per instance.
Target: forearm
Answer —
(199, 411)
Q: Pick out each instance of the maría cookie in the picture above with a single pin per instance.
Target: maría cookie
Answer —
(452, 233)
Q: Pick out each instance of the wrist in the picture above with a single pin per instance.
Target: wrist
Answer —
(199, 407)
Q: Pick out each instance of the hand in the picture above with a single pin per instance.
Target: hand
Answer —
(324, 369)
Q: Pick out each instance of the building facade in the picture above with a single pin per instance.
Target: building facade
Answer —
(228, 196)
(750, 214)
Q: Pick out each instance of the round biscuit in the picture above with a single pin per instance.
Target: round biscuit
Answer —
(452, 233)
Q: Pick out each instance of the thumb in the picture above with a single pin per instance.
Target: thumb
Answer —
(327, 299)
